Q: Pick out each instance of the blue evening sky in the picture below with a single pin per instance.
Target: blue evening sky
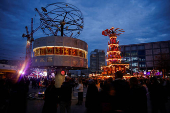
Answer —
(143, 21)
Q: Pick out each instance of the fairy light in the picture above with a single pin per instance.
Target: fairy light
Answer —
(113, 56)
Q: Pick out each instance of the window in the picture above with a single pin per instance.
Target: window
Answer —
(149, 64)
(134, 48)
(156, 63)
(157, 57)
(134, 58)
(101, 63)
(130, 64)
(101, 56)
(135, 69)
(134, 64)
(141, 52)
(141, 58)
(148, 46)
(149, 58)
(142, 64)
(134, 53)
(127, 53)
(127, 59)
(148, 52)
(93, 55)
(156, 45)
(166, 50)
(35, 60)
(93, 63)
(127, 48)
(164, 44)
(141, 47)
(156, 51)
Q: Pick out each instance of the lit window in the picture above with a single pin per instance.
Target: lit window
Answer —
(134, 58)
(142, 58)
(127, 53)
(135, 64)
(134, 53)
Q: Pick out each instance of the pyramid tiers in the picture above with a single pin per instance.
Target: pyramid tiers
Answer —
(113, 56)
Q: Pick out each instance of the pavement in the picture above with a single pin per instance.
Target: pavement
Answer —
(35, 103)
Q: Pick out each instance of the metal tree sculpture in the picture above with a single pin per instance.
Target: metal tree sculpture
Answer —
(61, 19)
(112, 32)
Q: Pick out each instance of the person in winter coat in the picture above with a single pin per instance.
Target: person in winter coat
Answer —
(80, 92)
(121, 88)
(51, 99)
(65, 96)
(158, 96)
(92, 102)
(137, 97)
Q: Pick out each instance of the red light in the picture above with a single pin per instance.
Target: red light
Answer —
(62, 72)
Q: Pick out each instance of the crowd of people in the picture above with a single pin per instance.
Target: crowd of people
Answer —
(128, 96)
(115, 95)
(13, 95)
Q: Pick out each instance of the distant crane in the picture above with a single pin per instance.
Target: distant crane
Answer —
(30, 40)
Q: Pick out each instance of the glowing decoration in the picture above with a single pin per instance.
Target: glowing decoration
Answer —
(41, 51)
(45, 73)
(62, 72)
(113, 56)
(20, 72)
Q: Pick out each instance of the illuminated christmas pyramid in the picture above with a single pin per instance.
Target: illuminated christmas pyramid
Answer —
(113, 56)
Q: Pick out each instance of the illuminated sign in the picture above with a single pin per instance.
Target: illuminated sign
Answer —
(40, 51)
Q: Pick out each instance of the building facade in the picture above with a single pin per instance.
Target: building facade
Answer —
(146, 56)
(97, 60)
(58, 51)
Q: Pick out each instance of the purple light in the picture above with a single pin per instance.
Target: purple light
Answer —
(148, 73)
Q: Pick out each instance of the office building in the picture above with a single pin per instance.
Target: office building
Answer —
(146, 56)
(97, 60)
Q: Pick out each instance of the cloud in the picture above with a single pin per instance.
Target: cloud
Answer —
(143, 21)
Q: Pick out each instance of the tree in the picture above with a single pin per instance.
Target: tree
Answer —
(163, 63)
